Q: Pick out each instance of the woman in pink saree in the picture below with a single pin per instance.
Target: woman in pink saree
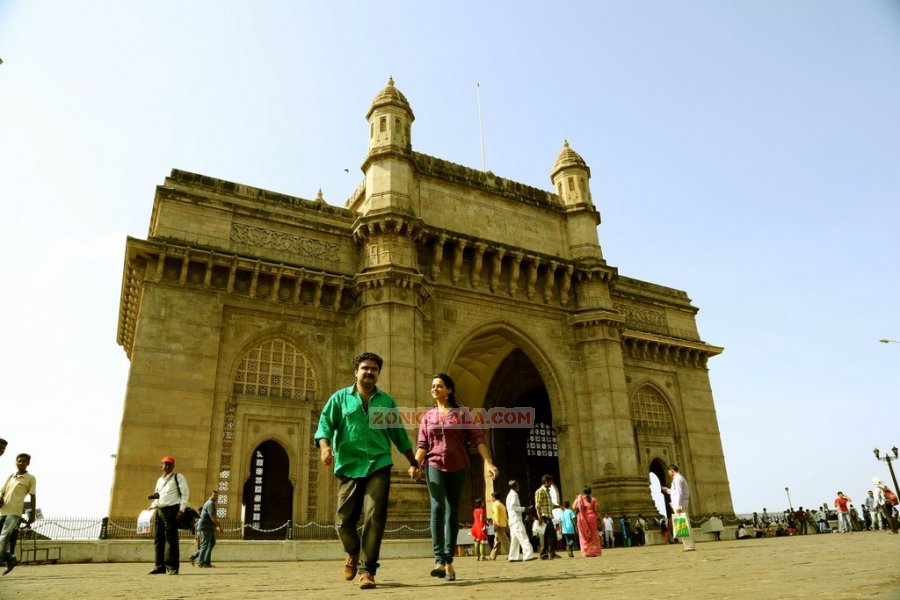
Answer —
(587, 508)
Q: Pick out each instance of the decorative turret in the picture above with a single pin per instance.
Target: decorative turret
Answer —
(388, 164)
(390, 119)
(570, 176)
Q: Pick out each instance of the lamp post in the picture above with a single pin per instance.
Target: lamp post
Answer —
(889, 459)
(787, 491)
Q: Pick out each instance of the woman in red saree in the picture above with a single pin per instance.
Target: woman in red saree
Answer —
(587, 508)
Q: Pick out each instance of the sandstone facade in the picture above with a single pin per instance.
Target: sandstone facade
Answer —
(243, 309)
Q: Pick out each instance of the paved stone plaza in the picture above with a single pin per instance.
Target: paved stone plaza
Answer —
(861, 565)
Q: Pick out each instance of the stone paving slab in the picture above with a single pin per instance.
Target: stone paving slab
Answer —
(859, 565)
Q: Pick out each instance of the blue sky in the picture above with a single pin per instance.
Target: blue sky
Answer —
(746, 152)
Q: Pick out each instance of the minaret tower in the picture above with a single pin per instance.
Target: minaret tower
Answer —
(390, 288)
(388, 165)
(570, 177)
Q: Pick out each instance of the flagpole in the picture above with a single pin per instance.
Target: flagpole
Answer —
(480, 125)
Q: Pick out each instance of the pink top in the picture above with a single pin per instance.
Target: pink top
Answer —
(443, 437)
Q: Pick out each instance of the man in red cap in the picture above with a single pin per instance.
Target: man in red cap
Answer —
(170, 499)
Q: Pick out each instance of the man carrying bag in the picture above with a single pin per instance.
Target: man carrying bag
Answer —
(170, 499)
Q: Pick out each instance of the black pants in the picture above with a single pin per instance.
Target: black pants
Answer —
(167, 535)
(549, 548)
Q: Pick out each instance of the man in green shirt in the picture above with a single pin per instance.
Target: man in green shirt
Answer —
(361, 455)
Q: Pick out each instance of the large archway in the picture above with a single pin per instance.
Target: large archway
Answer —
(268, 493)
(493, 369)
(523, 454)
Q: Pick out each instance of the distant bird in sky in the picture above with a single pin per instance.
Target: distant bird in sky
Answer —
(346, 170)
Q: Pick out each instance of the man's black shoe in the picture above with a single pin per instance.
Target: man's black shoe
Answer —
(11, 564)
(158, 571)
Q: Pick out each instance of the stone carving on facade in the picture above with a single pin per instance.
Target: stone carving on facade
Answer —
(286, 242)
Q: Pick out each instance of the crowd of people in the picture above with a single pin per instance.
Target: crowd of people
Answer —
(361, 457)
(878, 512)
(520, 524)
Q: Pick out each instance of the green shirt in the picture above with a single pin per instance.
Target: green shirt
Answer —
(359, 448)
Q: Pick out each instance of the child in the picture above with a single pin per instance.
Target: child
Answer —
(567, 524)
(479, 531)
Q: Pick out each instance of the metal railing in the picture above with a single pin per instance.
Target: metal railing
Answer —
(125, 528)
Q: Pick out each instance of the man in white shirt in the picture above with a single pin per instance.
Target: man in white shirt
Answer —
(517, 534)
(680, 495)
(609, 539)
(170, 499)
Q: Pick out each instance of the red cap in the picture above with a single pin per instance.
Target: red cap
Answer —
(168, 459)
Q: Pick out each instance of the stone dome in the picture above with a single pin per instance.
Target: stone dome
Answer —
(568, 158)
(389, 96)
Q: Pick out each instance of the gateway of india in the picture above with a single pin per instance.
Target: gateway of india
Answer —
(243, 309)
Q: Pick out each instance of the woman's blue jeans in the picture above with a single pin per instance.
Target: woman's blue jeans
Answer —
(444, 490)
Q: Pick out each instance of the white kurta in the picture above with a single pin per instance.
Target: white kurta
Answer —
(518, 536)
(679, 492)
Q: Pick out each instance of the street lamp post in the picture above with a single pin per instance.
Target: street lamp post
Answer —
(787, 490)
(889, 459)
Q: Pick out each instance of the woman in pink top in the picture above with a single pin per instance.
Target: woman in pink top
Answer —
(441, 450)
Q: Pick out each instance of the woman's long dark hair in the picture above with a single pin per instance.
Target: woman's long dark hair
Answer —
(448, 383)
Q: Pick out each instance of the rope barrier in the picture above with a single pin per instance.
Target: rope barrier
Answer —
(53, 523)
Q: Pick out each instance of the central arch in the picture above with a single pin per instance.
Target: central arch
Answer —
(498, 366)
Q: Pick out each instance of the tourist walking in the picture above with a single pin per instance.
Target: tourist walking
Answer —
(206, 528)
(361, 455)
(501, 526)
(518, 534)
(544, 505)
(587, 509)
(567, 526)
(679, 496)
(441, 449)
(12, 505)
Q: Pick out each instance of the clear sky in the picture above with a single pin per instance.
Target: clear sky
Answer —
(747, 152)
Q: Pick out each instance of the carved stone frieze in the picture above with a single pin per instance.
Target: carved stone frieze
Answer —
(644, 319)
(260, 237)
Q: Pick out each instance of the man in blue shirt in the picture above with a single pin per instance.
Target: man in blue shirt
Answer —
(206, 528)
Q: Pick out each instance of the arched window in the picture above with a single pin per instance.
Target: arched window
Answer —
(650, 412)
(275, 368)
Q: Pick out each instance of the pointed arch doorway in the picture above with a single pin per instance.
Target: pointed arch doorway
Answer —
(508, 379)
(658, 480)
(268, 493)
